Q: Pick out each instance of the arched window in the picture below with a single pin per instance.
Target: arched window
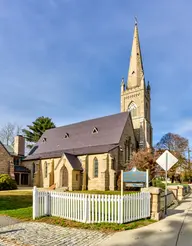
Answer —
(113, 164)
(126, 151)
(129, 149)
(95, 167)
(33, 170)
(133, 109)
(46, 169)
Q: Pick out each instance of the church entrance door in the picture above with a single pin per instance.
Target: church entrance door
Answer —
(64, 177)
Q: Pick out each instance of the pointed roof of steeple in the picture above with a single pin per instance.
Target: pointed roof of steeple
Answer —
(136, 73)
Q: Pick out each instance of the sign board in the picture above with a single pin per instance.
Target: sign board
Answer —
(166, 159)
(140, 185)
(134, 178)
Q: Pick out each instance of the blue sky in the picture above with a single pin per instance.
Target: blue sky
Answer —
(65, 59)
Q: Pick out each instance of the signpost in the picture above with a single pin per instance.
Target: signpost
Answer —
(166, 161)
(134, 178)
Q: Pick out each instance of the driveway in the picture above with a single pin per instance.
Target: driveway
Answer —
(38, 234)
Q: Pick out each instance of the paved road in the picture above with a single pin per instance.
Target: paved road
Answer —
(175, 230)
(42, 234)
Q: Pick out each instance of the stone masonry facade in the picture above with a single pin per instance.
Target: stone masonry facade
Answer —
(6, 161)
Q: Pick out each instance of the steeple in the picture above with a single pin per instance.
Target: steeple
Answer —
(136, 96)
(136, 73)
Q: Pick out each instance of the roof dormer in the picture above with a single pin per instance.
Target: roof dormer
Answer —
(66, 135)
(95, 130)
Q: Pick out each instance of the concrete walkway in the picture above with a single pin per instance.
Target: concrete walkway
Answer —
(174, 230)
(6, 221)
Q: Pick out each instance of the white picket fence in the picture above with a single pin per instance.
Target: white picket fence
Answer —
(91, 208)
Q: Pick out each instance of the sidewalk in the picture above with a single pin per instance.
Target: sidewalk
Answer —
(6, 220)
(174, 230)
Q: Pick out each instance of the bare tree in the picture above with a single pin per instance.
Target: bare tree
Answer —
(18, 130)
(173, 142)
(8, 132)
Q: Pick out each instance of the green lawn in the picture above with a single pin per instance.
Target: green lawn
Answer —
(105, 227)
(104, 192)
(177, 184)
(18, 204)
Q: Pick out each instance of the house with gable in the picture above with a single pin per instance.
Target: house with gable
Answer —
(10, 161)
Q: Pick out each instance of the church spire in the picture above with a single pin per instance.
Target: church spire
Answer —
(136, 73)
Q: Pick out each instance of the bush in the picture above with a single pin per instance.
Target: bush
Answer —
(158, 183)
(186, 176)
(7, 183)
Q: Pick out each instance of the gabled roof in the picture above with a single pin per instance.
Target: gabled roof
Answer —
(74, 161)
(79, 151)
(10, 150)
(7, 149)
(81, 139)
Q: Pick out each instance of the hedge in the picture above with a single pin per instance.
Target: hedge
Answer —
(7, 183)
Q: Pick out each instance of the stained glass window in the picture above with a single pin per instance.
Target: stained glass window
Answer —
(95, 163)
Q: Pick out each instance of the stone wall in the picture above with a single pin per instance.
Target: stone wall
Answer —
(76, 180)
(119, 153)
(84, 174)
(5, 161)
(175, 194)
(106, 174)
(178, 191)
(34, 180)
(102, 181)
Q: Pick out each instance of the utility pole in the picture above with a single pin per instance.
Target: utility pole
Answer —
(189, 158)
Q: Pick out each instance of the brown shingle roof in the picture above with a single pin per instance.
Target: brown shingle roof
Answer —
(74, 161)
(80, 139)
(81, 151)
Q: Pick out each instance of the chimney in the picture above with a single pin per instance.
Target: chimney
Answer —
(19, 145)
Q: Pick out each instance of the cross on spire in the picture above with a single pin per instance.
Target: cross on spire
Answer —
(136, 20)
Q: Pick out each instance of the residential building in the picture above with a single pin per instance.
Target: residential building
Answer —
(10, 160)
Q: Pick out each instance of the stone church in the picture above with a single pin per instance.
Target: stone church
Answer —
(90, 154)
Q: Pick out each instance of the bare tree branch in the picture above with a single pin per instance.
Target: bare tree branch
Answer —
(173, 142)
(8, 132)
